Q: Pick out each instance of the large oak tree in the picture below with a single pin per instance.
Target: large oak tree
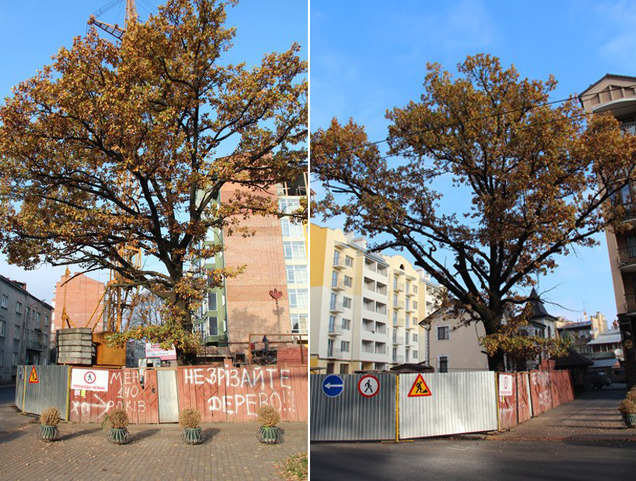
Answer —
(536, 181)
(128, 145)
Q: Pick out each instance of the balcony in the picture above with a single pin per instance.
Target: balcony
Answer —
(334, 329)
(626, 257)
(398, 305)
(399, 359)
(338, 286)
(339, 264)
(336, 307)
(630, 303)
(35, 345)
(628, 127)
(399, 287)
(398, 340)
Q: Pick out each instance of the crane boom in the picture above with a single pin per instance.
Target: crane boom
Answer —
(115, 30)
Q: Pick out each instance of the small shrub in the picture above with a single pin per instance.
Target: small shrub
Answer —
(190, 418)
(116, 419)
(631, 394)
(50, 417)
(627, 406)
(294, 468)
(268, 416)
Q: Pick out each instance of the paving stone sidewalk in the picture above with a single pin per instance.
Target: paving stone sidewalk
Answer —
(155, 452)
(592, 417)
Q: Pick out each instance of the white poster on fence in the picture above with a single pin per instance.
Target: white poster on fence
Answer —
(89, 380)
(154, 350)
(505, 384)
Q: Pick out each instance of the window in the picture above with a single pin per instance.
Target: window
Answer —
(14, 359)
(348, 261)
(5, 301)
(395, 299)
(336, 258)
(415, 305)
(330, 348)
(346, 324)
(334, 300)
(415, 355)
(344, 346)
(1, 358)
(290, 228)
(16, 332)
(408, 304)
(344, 368)
(288, 205)
(212, 301)
(408, 319)
(348, 281)
(443, 333)
(442, 364)
(334, 279)
(330, 367)
(298, 322)
(296, 274)
(406, 337)
(414, 289)
(332, 324)
(18, 308)
(298, 298)
(414, 337)
(294, 249)
(395, 318)
(3, 326)
(213, 326)
(346, 302)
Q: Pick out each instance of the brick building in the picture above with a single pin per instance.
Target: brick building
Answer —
(83, 299)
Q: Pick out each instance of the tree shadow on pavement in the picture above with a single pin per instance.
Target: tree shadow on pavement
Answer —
(146, 433)
(6, 436)
(78, 434)
(209, 433)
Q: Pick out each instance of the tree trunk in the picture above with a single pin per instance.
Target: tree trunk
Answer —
(496, 362)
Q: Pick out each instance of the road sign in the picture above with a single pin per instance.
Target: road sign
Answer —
(33, 378)
(332, 385)
(89, 380)
(505, 384)
(419, 388)
(368, 386)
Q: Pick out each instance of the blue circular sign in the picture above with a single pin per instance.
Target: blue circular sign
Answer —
(332, 385)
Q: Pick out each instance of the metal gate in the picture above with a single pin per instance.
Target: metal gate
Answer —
(40, 387)
(168, 396)
(353, 415)
(459, 402)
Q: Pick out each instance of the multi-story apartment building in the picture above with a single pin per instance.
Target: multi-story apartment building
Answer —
(24, 328)
(616, 94)
(271, 295)
(365, 307)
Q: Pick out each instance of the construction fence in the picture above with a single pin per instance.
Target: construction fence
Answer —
(221, 393)
(356, 407)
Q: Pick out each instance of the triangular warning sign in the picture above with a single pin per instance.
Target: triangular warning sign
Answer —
(419, 388)
(33, 378)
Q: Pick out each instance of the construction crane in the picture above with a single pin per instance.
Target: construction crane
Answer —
(115, 30)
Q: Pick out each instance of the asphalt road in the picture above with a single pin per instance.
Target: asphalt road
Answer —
(443, 460)
(10, 417)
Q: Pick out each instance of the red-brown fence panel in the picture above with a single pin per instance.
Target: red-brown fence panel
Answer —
(507, 402)
(555, 380)
(540, 392)
(524, 408)
(124, 391)
(226, 393)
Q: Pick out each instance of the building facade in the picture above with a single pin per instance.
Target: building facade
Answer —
(24, 328)
(616, 94)
(365, 307)
(270, 297)
(83, 300)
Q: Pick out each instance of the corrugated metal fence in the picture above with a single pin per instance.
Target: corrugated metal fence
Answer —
(431, 404)
(40, 387)
(351, 415)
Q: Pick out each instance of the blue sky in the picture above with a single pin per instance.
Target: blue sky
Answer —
(368, 56)
(31, 31)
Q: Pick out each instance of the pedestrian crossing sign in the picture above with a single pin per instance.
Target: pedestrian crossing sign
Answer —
(33, 378)
(419, 388)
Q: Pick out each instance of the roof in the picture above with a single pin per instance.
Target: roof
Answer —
(600, 363)
(573, 359)
(576, 325)
(607, 75)
(537, 306)
(609, 337)
(410, 367)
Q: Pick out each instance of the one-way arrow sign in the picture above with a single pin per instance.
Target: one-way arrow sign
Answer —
(332, 385)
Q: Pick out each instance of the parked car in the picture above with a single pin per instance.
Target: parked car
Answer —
(597, 379)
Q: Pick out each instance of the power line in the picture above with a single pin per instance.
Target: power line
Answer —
(484, 117)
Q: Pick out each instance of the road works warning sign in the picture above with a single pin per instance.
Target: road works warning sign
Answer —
(33, 378)
(419, 388)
